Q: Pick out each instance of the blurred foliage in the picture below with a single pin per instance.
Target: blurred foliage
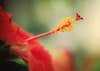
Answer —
(18, 61)
(79, 58)
(10, 62)
(12, 66)
(96, 66)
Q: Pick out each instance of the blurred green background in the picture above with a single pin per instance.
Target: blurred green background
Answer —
(39, 16)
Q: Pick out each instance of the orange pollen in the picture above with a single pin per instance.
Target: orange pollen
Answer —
(66, 25)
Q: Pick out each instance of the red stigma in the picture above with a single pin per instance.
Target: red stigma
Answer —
(78, 17)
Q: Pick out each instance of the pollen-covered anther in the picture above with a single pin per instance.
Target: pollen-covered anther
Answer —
(64, 26)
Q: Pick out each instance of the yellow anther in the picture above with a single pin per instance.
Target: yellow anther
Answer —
(66, 24)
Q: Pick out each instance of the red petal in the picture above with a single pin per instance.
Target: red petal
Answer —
(11, 33)
(41, 57)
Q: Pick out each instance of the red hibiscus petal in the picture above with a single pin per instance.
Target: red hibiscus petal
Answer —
(39, 59)
(41, 56)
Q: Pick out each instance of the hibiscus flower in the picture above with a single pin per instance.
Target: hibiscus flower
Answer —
(32, 52)
(25, 45)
